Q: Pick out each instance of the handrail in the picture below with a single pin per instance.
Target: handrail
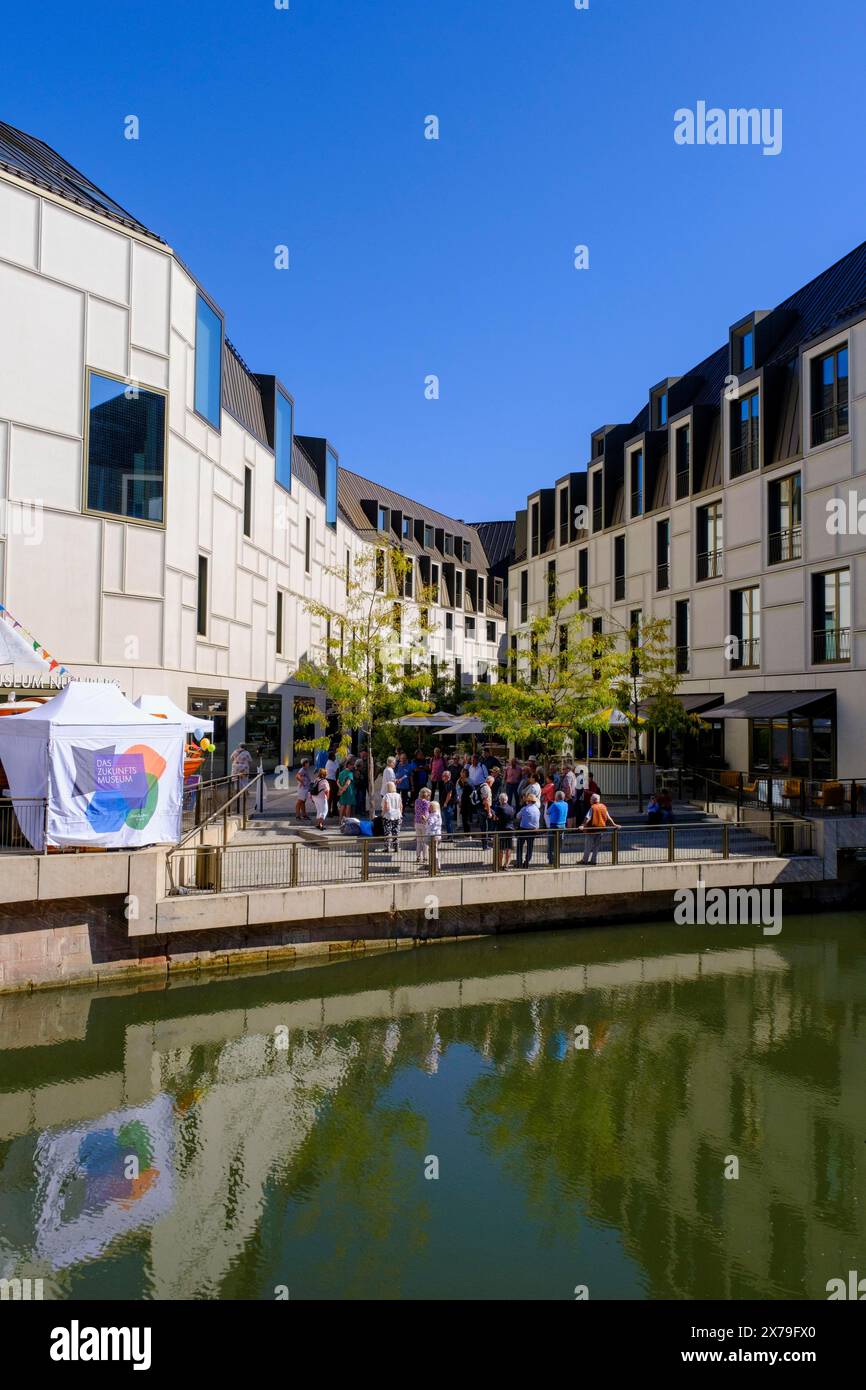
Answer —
(197, 829)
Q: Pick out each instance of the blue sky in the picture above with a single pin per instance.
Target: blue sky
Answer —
(411, 257)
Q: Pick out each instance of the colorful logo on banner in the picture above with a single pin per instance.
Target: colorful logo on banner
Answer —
(123, 787)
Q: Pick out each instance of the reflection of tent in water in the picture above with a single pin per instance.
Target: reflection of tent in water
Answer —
(111, 774)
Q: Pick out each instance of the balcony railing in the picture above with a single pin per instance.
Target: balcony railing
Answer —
(748, 656)
(745, 458)
(663, 576)
(637, 503)
(710, 564)
(619, 587)
(831, 644)
(682, 659)
(786, 545)
(682, 483)
(828, 424)
(597, 518)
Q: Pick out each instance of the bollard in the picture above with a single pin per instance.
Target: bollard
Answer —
(293, 867)
(671, 845)
(365, 861)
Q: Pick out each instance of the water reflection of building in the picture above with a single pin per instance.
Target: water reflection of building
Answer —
(753, 1051)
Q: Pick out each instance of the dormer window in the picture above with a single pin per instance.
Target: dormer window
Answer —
(428, 537)
(467, 552)
(449, 544)
(407, 527)
(384, 519)
(637, 483)
(660, 410)
(744, 350)
(597, 446)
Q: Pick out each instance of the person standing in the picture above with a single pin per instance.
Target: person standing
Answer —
(477, 772)
(485, 811)
(437, 768)
(242, 763)
(527, 820)
(466, 791)
(513, 778)
(303, 781)
(446, 802)
(433, 829)
(504, 821)
(321, 799)
(596, 821)
(332, 767)
(403, 778)
(557, 815)
(392, 815)
(346, 785)
(389, 774)
(422, 811)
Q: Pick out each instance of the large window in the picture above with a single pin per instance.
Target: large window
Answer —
(583, 577)
(280, 622)
(785, 541)
(535, 528)
(618, 568)
(208, 362)
(331, 488)
(746, 628)
(284, 431)
(745, 434)
(597, 501)
(744, 354)
(248, 502)
(682, 635)
(125, 450)
(202, 598)
(830, 396)
(308, 544)
(637, 483)
(709, 541)
(831, 617)
(524, 595)
(564, 518)
(663, 554)
(683, 467)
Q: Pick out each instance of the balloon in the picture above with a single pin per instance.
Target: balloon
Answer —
(205, 744)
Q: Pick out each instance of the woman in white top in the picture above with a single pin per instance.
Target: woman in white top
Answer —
(433, 827)
(321, 797)
(392, 813)
(387, 776)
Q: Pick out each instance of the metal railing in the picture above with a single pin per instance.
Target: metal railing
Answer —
(681, 659)
(828, 424)
(786, 545)
(246, 868)
(682, 483)
(775, 795)
(663, 576)
(22, 823)
(237, 806)
(745, 458)
(710, 564)
(748, 656)
(202, 800)
(831, 644)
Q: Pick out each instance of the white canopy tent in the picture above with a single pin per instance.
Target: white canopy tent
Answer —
(112, 775)
(164, 708)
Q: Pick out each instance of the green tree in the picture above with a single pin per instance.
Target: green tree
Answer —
(373, 669)
(560, 682)
(645, 681)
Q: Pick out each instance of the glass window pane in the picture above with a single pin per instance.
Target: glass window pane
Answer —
(331, 488)
(208, 362)
(283, 441)
(125, 450)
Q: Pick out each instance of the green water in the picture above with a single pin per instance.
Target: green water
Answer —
(237, 1136)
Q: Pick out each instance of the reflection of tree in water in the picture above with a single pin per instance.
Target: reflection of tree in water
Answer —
(352, 1188)
(634, 1130)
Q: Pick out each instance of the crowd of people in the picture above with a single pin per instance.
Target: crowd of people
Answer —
(452, 793)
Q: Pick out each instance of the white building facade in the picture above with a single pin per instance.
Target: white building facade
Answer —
(162, 523)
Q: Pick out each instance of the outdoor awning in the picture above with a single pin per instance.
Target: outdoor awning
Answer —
(693, 704)
(770, 704)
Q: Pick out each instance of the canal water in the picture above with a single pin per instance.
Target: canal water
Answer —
(513, 1118)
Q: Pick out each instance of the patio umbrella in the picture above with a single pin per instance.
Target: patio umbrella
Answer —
(437, 720)
(466, 724)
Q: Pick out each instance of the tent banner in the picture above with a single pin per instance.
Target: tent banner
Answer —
(109, 791)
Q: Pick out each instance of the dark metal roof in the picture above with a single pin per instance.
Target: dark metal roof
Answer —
(497, 538)
(242, 397)
(355, 489)
(767, 704)
(33, 160)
